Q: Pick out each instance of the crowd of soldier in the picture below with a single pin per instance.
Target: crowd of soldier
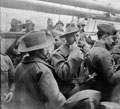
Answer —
(42, 69)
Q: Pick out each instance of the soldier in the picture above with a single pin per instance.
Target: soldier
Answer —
(7, 80)
(58, 40)
(59, 26)
(49, 31)
(50, 26)
(67, 60)
(29, 26)
(81, 27)
(100, 61)
(12, 52)
(81, 40)
(36, 87)
(16, 25)
(81, 43)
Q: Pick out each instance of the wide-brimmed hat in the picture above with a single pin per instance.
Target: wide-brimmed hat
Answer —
(108, 28)
(60, 22)
(71, 29)
(15, 22)
(27, 22)
(78, 100)
(35, 41)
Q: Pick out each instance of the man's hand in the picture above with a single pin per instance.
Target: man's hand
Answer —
(8, 96)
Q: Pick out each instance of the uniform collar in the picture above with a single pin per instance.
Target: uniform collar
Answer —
(31, 59)
(99, 44)
(65, 49)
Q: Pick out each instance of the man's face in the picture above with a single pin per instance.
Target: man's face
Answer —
(29, 27)
(50, 24)
(17, 28)
(71, 38)
(111, 40)
(59, 26)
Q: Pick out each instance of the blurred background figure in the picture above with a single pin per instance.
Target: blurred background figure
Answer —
(90, 41)
(58, 40)
(7, 80)
(81, 27)
(81, 42)
(16, 25)
(81, 38)
(67, 60)
(50, 25)
(49, 32)
(29, 26)
(59, 26)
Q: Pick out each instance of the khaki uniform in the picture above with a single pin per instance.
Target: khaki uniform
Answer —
(102, 63)
(67, 62)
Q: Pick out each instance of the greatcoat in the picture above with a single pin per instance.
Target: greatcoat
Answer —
(67, 63)
(36, 87)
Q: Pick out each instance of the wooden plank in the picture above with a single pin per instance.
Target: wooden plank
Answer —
(11, 34)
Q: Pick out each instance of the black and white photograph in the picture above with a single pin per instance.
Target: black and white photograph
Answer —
(60, 54)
